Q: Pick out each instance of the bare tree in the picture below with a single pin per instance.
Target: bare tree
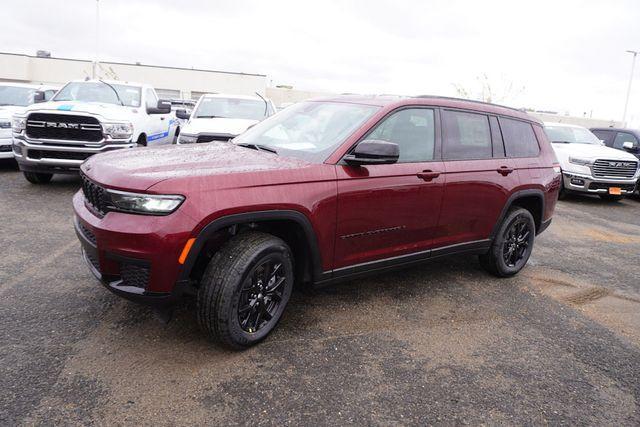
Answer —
(487, 89)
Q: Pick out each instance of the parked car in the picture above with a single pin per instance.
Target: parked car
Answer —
(87, 117)
(14, 97)
(620, 139)
(321, 192)
(220, 117)
(590, 167)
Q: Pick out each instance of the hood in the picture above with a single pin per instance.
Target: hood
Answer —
(590, 151)
(7, 111)
(140, 168)
(105, 110)
(219, 125)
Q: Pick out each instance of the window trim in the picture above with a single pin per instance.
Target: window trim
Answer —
(437, 153)
(534, 136)
(464, 110)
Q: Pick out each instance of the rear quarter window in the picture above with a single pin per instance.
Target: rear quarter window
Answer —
(519, 138)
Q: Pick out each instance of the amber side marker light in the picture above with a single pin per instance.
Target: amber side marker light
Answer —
(185, 250)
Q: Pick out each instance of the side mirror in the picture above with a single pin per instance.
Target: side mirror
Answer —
(38, 96)
(627, 145)
(163, 107)
(373, 152)
(183, 114)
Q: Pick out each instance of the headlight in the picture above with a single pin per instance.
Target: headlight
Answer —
(151, 204)
(118, 130)
(579, 161)
(187, 139)
(18, 124)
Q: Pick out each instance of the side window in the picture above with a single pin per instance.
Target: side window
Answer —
(605, 135)
(519, 138)
(48, 94)
(152, 99)
(413, 129)
(466, 136)
(623, 137)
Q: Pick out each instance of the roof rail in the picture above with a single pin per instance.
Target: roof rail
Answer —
(470, 100)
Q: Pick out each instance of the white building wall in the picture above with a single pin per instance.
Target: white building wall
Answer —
(58, 71)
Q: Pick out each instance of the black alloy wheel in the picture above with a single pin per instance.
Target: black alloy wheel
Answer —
(261, 295)
(516, 242)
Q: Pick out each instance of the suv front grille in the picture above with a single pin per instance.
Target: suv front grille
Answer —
(64, 127)
(614, 169)
(94, 195)
(209, 138)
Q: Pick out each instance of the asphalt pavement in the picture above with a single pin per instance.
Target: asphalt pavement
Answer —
(443, 343)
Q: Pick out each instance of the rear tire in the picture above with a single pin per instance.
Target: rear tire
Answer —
(610, 197)
(142, 141)
(512, 245)
(38, 178)
(245, 289)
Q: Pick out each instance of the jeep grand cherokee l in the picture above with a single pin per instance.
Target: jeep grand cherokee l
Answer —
(324, 191)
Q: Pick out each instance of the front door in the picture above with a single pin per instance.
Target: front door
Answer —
(391, 210)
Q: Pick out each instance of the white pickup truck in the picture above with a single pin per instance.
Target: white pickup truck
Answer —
(84, 118)
(14, 98)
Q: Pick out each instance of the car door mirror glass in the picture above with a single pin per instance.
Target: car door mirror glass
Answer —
(373, 152)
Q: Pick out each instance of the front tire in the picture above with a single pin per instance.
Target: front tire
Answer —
(512, 245)
(245, 289)
(38, 178)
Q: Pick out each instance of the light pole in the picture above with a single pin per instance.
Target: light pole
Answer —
(626, 102)
(95, 60)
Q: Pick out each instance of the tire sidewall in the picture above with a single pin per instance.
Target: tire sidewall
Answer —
(280, 252)
(501, 265)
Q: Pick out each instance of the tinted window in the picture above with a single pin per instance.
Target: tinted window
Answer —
(412, 129)
(623, 137)
(466, 136)
(605, 135)
(519, 138)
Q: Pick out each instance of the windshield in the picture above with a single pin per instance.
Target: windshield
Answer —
(231, 108)
(309, 130)
(573, 135)
(15, 95)
(100, 92)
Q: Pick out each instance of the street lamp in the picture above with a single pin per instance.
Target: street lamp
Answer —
(97, 41)
(626, 102)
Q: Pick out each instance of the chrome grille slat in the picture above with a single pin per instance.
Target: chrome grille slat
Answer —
(603, 168)
(65, 127)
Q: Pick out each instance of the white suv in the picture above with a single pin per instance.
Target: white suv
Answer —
(589, 166)
(220, 117)
(14, 98)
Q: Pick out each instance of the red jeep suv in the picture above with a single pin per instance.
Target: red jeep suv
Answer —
(323, 191)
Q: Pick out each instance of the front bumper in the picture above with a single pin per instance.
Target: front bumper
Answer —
(6, 151)
(588, 184)
(135, 256)
(49, 158)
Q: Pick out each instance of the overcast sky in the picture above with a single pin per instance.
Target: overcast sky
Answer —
(556, 55)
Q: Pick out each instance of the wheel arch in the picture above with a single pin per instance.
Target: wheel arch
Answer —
(291, 226)
(529, 199)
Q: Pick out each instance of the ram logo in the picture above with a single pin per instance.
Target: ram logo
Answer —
(63, 125)
(618, 164)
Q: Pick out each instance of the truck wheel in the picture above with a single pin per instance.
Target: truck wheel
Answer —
(142, 141)
(38, 178)
(610, 197)
(512, 245)
(245, 289)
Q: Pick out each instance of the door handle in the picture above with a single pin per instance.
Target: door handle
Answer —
(504, 170)
(161, 118)
(428, 175)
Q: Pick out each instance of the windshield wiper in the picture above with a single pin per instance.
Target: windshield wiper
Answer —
(114, 91)
(562, 142)
(210, 117)
(258, 147)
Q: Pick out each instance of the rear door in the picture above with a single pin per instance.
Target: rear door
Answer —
(392, 210)
(479, 178)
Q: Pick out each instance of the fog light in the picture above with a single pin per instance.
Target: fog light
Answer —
(577, 181)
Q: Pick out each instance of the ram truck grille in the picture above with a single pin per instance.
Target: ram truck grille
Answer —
(614, 169)
(63, 127)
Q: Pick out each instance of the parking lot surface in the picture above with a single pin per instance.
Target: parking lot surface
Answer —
(442, 343)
